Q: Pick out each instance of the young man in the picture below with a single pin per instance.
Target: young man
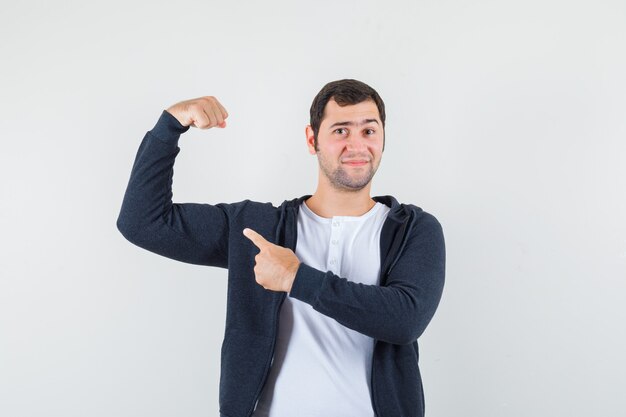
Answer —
(327, 293)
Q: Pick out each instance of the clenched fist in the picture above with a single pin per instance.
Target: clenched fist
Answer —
(202, 112)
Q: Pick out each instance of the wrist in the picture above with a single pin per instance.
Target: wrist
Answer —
(292, 276)
(168, 128)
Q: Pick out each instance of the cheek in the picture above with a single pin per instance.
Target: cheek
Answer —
(376, 148)
(335, 148)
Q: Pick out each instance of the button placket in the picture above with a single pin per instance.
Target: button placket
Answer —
(333, 252)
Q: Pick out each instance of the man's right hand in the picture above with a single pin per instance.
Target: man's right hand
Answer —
(203, 112)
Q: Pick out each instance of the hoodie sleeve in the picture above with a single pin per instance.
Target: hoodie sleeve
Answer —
(190, 232)
(397, 312)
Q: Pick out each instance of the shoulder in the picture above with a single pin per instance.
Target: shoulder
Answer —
(423, 222)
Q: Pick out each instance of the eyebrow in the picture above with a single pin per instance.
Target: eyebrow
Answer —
(363, 122)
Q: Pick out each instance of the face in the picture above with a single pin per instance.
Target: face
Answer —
(350, 141)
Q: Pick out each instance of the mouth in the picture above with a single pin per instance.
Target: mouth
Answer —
(356, 163)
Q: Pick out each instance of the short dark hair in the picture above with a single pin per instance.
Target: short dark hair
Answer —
(345, 92)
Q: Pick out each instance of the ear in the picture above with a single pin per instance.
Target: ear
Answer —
(310, 139)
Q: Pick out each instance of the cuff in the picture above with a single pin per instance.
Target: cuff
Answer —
(307, 284)
(168, 128)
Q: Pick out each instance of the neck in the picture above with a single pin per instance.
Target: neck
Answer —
(328, 201)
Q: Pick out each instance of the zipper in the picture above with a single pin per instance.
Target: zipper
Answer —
(276, 313)
(271, 356)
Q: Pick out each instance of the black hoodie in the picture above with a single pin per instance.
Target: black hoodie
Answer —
(394, 313)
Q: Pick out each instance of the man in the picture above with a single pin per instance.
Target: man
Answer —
(327, 293)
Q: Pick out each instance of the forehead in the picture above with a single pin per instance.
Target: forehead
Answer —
(333, 112)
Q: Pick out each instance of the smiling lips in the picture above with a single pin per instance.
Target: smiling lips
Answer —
(356, 162)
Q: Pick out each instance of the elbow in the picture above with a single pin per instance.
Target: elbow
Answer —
(127, 228)
(408, 331)
(407, 336)
(400, 331)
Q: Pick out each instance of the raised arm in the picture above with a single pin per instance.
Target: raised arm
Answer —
(190, 232)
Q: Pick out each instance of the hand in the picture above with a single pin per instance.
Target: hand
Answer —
(276, 266)
(203, 112)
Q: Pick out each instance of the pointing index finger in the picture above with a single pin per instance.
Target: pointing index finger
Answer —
(256, 238)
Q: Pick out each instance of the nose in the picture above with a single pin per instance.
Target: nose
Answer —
(356, 143)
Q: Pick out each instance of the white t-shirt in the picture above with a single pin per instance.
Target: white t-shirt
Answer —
(320, 367)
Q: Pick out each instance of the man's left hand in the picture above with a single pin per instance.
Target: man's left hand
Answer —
(276, 266)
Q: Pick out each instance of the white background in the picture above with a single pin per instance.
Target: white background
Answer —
(506, 120)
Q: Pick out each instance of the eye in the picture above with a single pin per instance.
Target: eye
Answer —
(370, 131)
(338, 130)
